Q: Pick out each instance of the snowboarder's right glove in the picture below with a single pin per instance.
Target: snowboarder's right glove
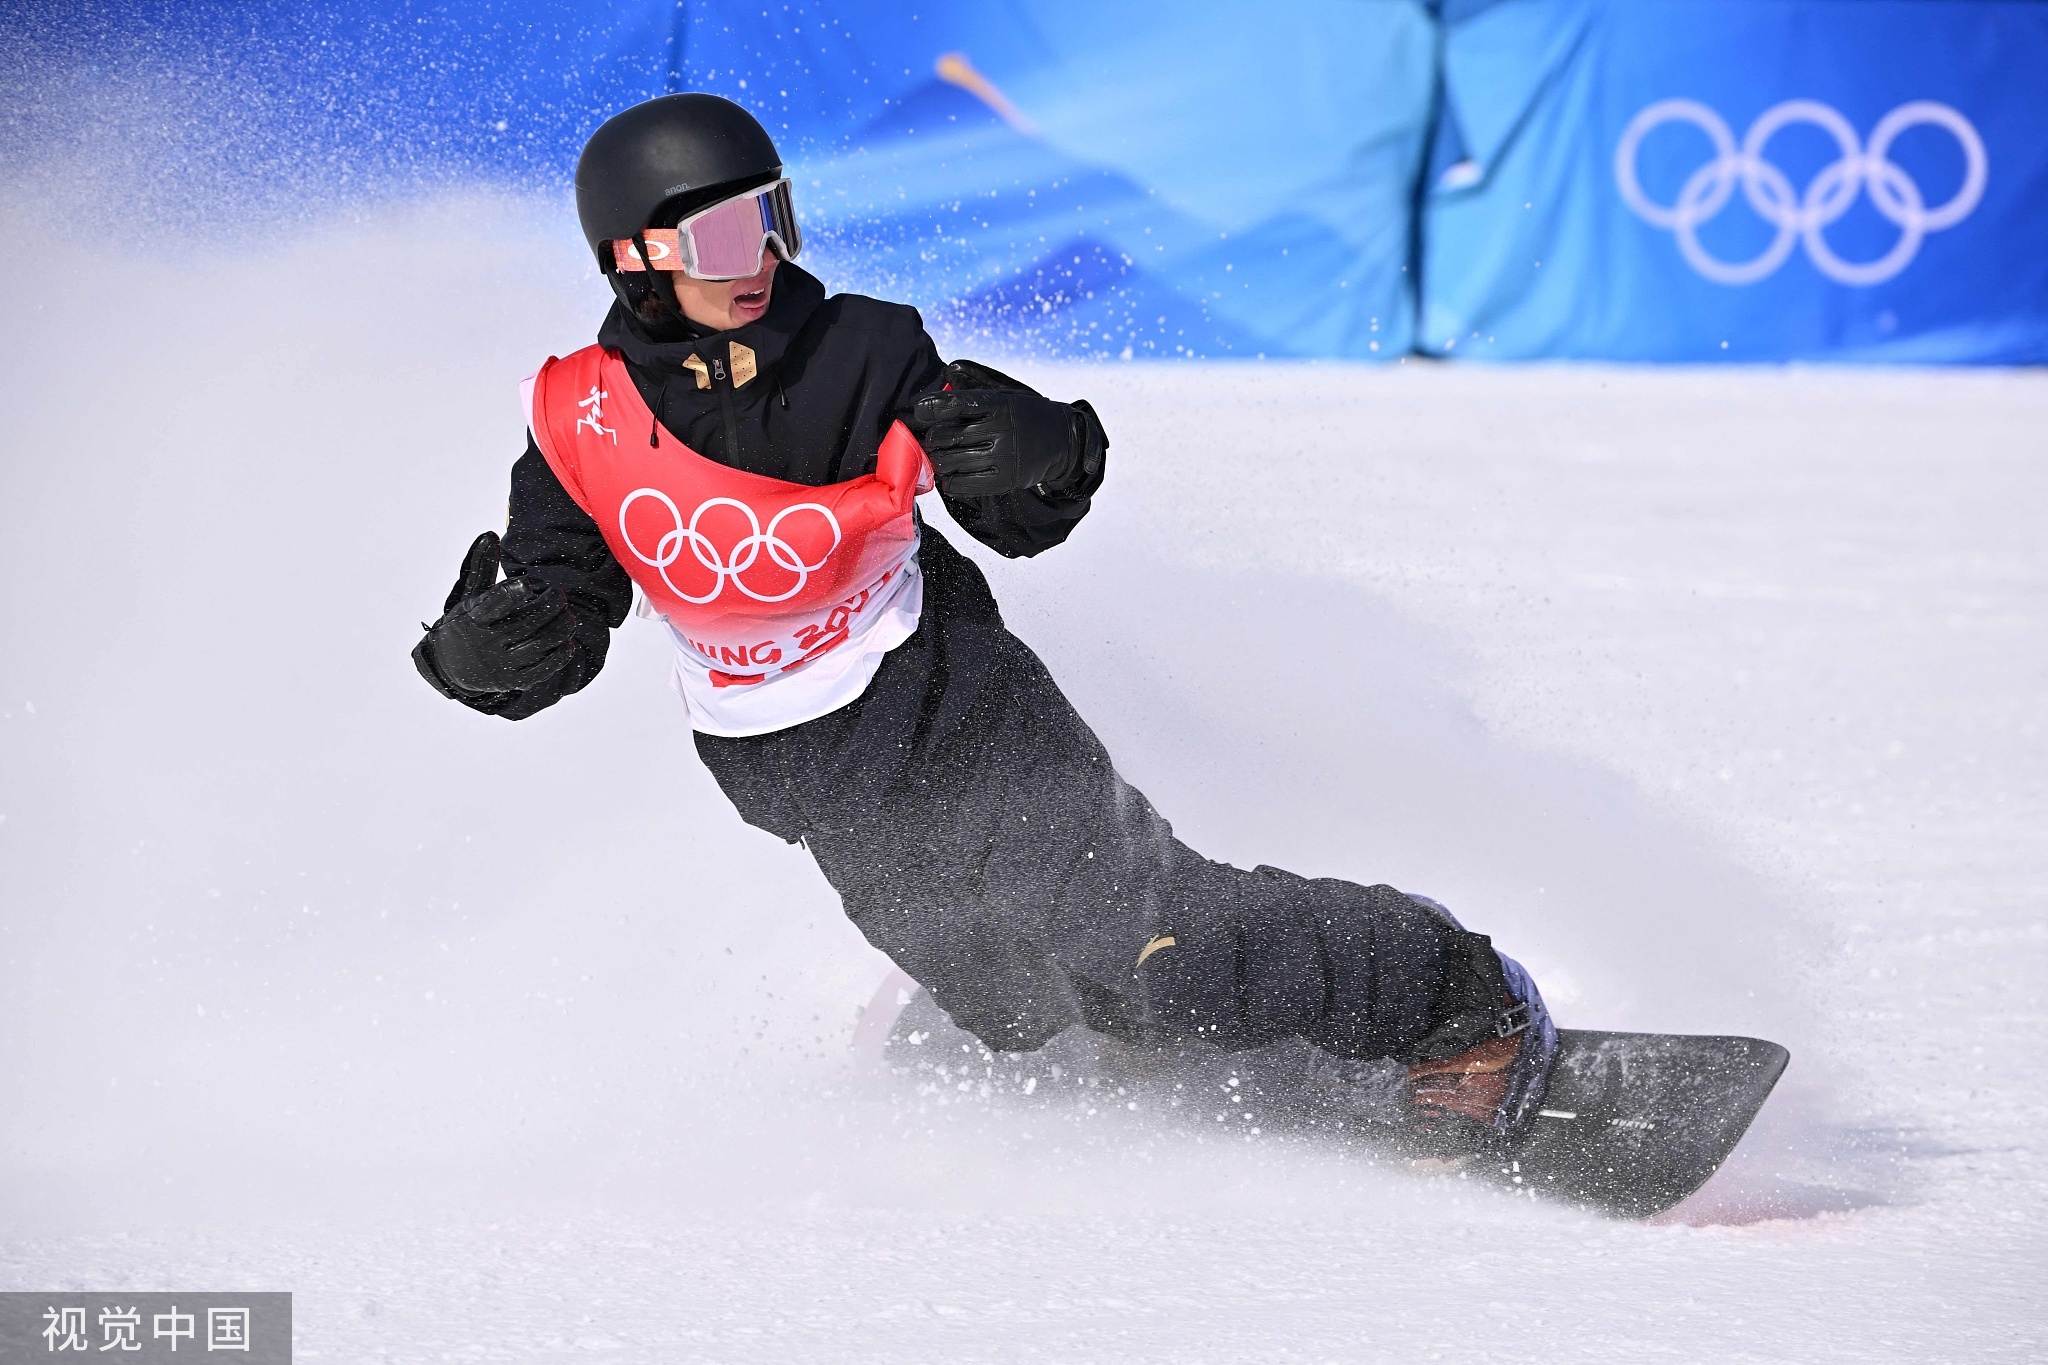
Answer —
(987, 434)
(495, 640)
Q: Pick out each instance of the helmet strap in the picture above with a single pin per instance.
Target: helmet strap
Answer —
(658, 283)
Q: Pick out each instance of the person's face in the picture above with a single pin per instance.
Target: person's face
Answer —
(723, 305)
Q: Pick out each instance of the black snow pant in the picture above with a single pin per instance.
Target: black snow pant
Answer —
(976, 833)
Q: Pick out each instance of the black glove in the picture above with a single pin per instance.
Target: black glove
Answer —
(990, 434)
(496, 640)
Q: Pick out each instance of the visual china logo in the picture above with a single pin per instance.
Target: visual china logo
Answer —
(146, 1328)
(715, 568)
(1801, 217)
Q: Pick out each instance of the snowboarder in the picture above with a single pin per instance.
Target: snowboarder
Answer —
(748, 451)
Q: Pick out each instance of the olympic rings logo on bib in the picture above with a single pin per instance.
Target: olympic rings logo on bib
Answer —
(792, 553)
(1831, 193)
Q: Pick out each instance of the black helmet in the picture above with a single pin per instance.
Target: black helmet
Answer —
(665, 158)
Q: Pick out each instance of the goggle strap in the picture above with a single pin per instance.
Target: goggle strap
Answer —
(662, 242)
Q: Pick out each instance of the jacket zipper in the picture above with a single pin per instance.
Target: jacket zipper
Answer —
(732, 427)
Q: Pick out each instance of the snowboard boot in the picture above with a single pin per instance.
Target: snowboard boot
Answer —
(1487, 1095)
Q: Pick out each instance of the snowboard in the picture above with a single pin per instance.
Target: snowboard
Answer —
(1630, 1124)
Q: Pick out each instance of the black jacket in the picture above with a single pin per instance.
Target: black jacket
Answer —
(830, 375)
(973, 826)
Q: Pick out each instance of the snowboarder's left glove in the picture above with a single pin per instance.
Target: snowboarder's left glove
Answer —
(984, 440)
(496, 641)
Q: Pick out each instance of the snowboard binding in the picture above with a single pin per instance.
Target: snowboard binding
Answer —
(1486, 1097)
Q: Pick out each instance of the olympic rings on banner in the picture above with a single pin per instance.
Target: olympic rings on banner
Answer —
(1800, 217)
(744, 554)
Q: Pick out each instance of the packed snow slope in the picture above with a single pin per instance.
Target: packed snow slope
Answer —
(1716, 696)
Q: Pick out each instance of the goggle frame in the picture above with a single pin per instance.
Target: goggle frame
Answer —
(674, 249)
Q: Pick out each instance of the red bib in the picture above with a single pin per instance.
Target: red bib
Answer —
(756, 574)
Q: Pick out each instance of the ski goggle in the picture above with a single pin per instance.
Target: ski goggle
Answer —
(724, 242)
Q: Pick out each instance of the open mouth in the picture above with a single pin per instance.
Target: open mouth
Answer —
(753, 298)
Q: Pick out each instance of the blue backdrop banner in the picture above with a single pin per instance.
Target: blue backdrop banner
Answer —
(1619, 179)
(1131, 180)
(1745, 180)
(1082, 178)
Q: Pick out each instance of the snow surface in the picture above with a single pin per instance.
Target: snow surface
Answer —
(1716, 696)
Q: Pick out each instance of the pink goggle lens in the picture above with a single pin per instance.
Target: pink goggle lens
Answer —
(727, 241)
